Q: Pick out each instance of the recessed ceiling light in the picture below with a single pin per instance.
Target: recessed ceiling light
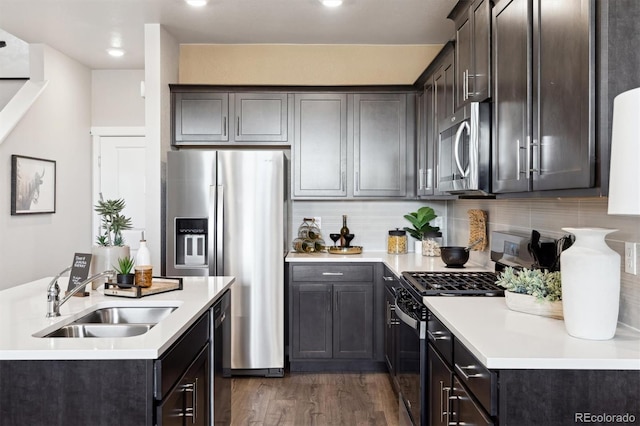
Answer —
(115, 52)
(196, 3)
(331, 3)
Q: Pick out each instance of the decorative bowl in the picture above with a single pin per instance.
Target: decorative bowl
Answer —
(530, 305)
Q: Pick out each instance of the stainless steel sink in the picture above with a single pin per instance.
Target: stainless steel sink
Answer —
(101, 330)
(126, 315)
(116, 321)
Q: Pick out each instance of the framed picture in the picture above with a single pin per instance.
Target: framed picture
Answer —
(33, 185)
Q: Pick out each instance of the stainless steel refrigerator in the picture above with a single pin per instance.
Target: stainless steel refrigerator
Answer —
(225, 216)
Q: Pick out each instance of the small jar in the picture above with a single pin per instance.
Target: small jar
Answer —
(144, 276)
(431, 244)
(397, 241)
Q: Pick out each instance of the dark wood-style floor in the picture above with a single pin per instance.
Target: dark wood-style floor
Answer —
(301, 399)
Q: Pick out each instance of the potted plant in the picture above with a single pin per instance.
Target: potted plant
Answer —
(124, 276)
(532, 291)
(110, 242)
(425, 234)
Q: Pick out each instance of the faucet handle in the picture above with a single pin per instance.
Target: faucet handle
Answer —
(53, 292)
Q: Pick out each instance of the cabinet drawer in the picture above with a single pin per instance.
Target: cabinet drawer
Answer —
(332, 273)
(440, 337)
(474, 375)
(172, 365)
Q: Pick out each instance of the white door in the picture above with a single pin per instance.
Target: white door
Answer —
(121, 173)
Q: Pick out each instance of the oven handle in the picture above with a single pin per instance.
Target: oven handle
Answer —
(411, 322)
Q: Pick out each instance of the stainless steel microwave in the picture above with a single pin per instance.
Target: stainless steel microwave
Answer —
(464, 151)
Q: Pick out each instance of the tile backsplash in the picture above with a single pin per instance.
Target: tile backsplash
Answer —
(549, 216)
(370, 221)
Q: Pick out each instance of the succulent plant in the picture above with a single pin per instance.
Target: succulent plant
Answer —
(543, 285)
(125, 265)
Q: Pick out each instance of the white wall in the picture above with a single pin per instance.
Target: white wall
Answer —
(116, 99)
(161, 69)
(55, 128)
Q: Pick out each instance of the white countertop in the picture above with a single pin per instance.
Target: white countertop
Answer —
(397, 262)
(504, 339)
(23, 309)
(499, 337)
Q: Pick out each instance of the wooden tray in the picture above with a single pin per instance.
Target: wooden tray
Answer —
(159, 285)
(345, 250)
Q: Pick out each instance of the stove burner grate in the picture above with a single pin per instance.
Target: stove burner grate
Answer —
(454, 283)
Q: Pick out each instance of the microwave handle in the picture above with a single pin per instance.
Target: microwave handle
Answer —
(464, 125)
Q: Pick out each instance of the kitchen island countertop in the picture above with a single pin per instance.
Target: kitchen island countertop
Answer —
(23, 309)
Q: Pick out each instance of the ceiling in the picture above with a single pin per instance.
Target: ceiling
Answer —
(84, 29)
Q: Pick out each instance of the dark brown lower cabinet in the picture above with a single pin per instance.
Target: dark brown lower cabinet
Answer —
(170, 390)
(333, 317)
(464, 392)
(187, 404)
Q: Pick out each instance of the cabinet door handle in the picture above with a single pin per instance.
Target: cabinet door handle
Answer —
(444, 403)
(463, 372)
(466, 79)
(438, 335)
(387, 278)
(224, 126)
(238, 128)
(420, 179)
(528, 148)
(357, 181)
(464, 85)
(537, 168)
(193, 410)
(334, 274)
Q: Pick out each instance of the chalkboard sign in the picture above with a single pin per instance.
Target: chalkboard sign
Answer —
(79, 271)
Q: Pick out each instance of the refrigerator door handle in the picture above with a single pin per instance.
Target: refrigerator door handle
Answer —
(219, 270)
(211, 231)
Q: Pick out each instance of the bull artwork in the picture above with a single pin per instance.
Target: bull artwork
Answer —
(33, 185)
(28, 190)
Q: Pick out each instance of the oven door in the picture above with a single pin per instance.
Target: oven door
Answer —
(410, 367)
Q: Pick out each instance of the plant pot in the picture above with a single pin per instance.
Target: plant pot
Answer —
(104, 258)
(125, 280)
(531, 305)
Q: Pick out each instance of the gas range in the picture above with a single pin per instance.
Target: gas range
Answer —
(452, 283)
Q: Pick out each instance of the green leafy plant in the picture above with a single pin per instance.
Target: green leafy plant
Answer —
(420, 221)
(125, 265)
(112, 222)
(543, 285)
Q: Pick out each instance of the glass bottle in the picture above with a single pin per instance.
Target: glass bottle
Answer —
(344, 230)
(313, 231)
(143, 256)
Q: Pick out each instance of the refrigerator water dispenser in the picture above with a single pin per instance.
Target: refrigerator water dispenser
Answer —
(191, 241)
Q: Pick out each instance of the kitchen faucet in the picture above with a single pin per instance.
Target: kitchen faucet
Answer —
(53, 291)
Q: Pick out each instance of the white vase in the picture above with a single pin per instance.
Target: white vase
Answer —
(104, 258)
(590, 272)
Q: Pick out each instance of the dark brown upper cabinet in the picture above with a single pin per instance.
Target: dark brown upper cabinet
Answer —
(473, 51)
(543, 95)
